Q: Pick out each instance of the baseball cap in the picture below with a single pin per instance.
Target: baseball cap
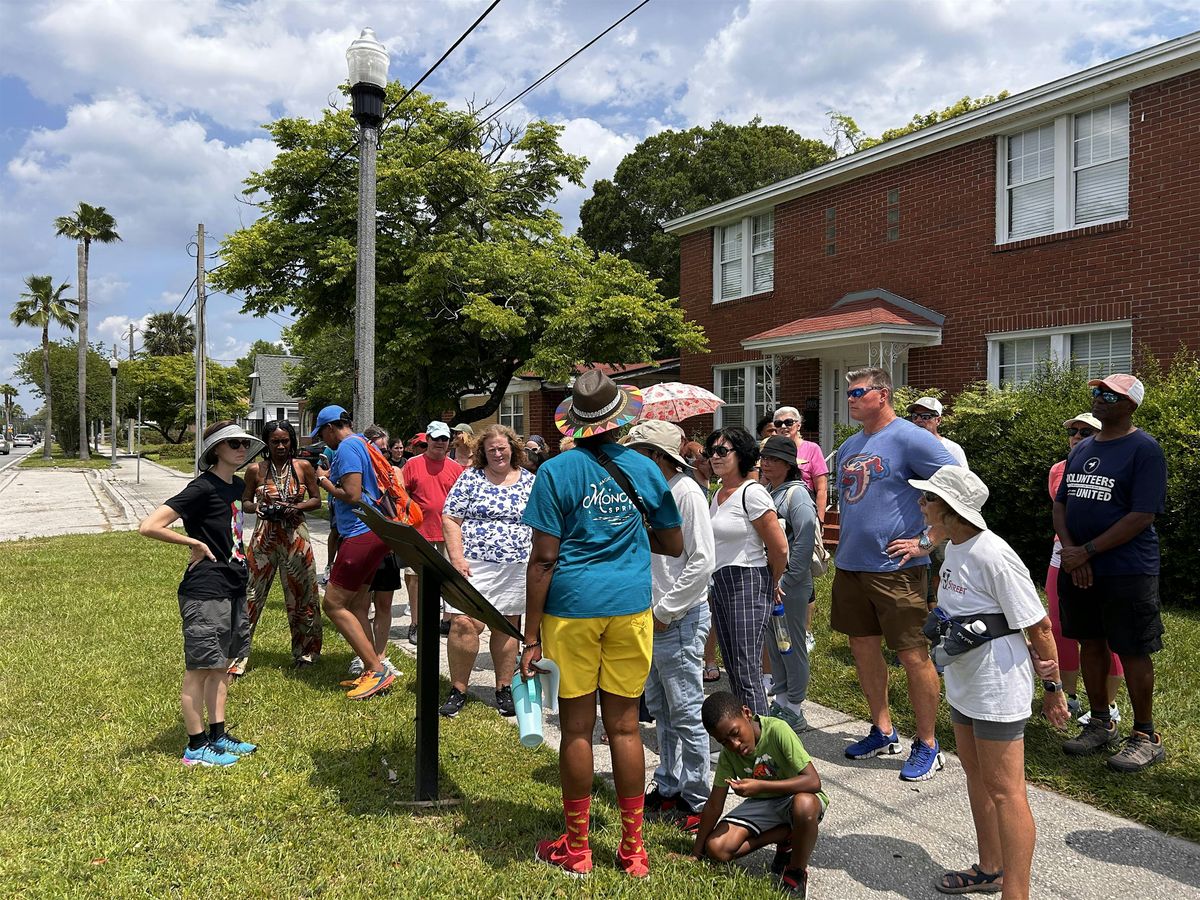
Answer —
(329, 414)
(664, 436)
(1125, 385)
(1086, 419)
(932, 404)
(437, 429)
(464, 428)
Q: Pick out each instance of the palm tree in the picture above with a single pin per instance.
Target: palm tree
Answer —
(168, 334)
(88, 223)
(7, 391)
(40, 306)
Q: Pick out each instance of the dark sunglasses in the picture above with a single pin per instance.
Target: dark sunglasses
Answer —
(922, 417)
(239, 444)
(439, 439)
(860, 392)
(1081, 432)
(784, 423)
(1109, 397)
(930, 497)
(719, 452)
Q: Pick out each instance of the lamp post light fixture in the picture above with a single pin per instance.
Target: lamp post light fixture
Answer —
(112, 367)
(368, 62)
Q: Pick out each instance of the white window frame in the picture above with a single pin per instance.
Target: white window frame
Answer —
(1060, 342)
(746, 224)
(751, 401)
(1064, 177)
(512, 409)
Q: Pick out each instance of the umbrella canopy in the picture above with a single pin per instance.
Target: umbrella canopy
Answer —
(674, 401)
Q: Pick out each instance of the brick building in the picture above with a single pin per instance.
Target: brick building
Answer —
(1062, 222)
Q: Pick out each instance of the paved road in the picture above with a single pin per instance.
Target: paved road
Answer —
(882, 838)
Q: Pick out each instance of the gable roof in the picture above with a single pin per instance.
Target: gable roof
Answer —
(1115, 77)
(864, 315)
(272, 378)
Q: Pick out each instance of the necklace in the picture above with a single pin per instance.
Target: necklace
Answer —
(283, 479)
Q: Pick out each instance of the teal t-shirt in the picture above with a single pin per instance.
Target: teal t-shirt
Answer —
(778, 756)
(604, 553)
(352, 456)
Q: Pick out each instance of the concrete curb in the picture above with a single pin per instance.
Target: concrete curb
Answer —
(116, 496)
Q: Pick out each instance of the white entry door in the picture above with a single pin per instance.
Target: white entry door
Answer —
(834, 406)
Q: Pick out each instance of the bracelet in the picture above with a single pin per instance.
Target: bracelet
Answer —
(532, 645)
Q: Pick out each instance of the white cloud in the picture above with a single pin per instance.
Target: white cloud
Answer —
(604, 150)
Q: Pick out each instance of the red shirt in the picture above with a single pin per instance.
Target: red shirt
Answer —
(428, 483)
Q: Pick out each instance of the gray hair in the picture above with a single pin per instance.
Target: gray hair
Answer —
(787, 409)
(878, 377)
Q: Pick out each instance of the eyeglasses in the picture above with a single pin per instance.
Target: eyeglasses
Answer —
(859, 392)
(784, 423)
(930, 497)
(1108, 397)
(1081, 432)
(438, 440)
(719, 452)
(922, 417)
(239, 444)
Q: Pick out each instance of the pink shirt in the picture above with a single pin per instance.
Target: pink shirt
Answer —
(428, 483)
(812, 465)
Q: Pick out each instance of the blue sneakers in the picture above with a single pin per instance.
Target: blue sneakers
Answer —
(874, 744)
(227, 743)
(922, 762)
(208, 755)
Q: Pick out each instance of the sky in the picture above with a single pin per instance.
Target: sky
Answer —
(155, 109)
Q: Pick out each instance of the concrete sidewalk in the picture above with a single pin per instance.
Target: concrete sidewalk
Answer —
(881, 837)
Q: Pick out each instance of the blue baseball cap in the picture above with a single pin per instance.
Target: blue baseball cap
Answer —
(329, 414)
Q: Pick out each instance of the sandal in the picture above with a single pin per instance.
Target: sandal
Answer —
(971, 881)
(712, 673)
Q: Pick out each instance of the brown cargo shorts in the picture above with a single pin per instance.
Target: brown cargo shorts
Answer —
(891, 604)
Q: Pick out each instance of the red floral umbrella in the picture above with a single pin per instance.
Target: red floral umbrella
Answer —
(675, 401)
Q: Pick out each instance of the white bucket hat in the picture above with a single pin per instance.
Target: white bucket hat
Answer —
(1087, 419)
(962, 489)
(229, 432)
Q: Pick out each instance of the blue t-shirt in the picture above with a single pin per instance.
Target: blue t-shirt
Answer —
(604, 553)
(875, 500)
(351, 456)
(1103, 482)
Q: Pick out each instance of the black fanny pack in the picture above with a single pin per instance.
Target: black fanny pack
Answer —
(955, 635)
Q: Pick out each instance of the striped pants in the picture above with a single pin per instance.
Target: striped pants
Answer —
(741, 601)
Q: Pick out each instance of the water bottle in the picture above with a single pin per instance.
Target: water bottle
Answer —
(976, 627)
(783, 640)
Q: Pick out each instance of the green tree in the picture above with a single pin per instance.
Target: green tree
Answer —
(474, 279)
(167, 386)
(88, 223)
(7, 391)
(846, 134)
(169, 334)
(673, 173)
(245, 364)
(39, 307)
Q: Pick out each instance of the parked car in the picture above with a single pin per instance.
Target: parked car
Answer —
(23, 440)
(4, 445)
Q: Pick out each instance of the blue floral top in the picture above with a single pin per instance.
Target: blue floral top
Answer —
(491, 516)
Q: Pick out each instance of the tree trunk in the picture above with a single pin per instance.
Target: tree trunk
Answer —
(46, 386)
(81, 255)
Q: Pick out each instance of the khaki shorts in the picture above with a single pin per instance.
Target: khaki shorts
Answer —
(892, 604)
(609, 652)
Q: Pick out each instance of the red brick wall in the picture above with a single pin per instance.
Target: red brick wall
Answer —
(1146, 268)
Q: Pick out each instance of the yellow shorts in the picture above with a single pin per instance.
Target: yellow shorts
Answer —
(611, 652)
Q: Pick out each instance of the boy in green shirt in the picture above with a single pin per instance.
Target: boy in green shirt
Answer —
(764, 762)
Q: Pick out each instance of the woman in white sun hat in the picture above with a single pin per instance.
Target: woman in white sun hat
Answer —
(985, 599)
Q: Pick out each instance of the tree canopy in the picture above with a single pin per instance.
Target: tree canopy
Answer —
(64, 388)
(167, 386)
(474, 279)
(169, 334)
(846, 133)
(673, 173)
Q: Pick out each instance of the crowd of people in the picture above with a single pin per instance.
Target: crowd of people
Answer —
(625, 554)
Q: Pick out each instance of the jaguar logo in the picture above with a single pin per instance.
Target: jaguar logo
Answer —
(857, 472)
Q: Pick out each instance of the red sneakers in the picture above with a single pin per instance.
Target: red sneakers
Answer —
(557, 853)
(635, 863)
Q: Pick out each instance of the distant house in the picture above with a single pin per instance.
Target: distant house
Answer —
(1057, 224)
(269, 399)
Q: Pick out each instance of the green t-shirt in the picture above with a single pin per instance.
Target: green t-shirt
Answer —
(778, 756)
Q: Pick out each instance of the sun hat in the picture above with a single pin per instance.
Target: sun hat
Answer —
(420, 438)
(464, 428)
(229, 432)
(1125, 385)
(664, 436)
(779, 446)
(1087, 419)
(596, 405)
(437, 429)
(933, 404)
(962, 489)
(333, 413)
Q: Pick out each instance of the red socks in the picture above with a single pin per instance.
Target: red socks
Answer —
(577, 813)
(631, 822)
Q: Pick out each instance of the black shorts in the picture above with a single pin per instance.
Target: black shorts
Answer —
(388, 575)
(1120, 609)
(215, 630)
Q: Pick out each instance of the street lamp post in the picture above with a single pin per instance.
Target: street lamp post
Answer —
(368, 62)
(112, 367)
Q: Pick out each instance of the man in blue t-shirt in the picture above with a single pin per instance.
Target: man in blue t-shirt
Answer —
(1114, 485)
(881, 580)
(597, 514)
(351, 478)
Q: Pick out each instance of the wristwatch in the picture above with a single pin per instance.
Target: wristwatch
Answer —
(1090, 548)
(1051, 687)
(924, 543)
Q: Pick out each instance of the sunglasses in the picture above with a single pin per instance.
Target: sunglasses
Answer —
(1108, 397)
(719, 452)
(859, 392)
(784, 423)
(1081, 432)
(930, 497)
(922, 417)
(438, 440)
(238, 444)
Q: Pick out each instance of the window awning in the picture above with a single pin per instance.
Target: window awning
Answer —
(862, 317)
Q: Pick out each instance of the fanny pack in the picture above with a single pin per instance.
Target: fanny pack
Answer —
(953, 636)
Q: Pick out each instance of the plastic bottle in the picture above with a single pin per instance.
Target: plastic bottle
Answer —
(783, 640)
(977, 627)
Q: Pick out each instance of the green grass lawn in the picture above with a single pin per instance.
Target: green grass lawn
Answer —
(1166, 797)
(60, 460)
(95, 803)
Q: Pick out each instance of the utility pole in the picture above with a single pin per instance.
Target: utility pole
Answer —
(132, 329)
(201, 361)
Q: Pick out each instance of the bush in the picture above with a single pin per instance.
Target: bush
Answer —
(1013, 436)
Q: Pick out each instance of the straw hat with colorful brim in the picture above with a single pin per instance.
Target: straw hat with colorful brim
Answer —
(1086, 419)
(962, 489)
(597, 404)
(229, 432)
